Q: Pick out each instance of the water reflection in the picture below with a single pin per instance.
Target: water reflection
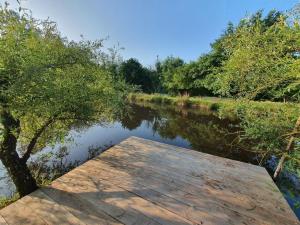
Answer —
(195, 129)
(198, 130)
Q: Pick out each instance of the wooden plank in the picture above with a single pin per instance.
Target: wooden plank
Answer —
(79, 208)
(2, 221)
(190, 195)
(273, 198)
(207, 178)
(231, 165)
(202, 162)
(103, 192)
(19, 213)
(81, 188)
(176, 201)
(195, 167)
(49, 210)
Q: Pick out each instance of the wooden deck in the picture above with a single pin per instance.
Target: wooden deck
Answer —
(144, 182)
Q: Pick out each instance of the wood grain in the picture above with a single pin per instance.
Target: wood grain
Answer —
(143, 182)
(2, 221)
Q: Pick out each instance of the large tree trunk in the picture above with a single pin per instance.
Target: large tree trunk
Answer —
(16, 167)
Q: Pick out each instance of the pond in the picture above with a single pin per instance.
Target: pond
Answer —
(195, 129)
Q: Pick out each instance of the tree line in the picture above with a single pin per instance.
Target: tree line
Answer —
(258, 59)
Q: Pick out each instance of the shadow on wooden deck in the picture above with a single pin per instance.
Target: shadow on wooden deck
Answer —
(146, 182)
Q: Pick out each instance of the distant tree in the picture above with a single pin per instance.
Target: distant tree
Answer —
(188, 79)
(134, 73)
(196, 77)
(269, 20)
(166, 70)
(46, 83)
(111, 60)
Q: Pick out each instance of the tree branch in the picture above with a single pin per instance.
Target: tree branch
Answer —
(295, 134)
(288, 149)
(40, 131)
(33, 141)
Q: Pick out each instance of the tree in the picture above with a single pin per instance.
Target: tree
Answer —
(133, 72)
(197, 77)
(111, 60)
(47, 83)
(166, 70)
(264, 62)
(189, 78)
(221, 52)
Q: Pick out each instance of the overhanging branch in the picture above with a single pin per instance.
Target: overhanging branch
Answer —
(34, 140)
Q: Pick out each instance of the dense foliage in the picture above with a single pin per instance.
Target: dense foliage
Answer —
(256, 59)
(47, 83)
(263, 62)
(133, 72)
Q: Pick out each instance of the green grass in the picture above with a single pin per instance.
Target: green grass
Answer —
(5, 201)
(225, 107)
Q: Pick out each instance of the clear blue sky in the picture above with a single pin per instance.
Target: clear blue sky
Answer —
(147, 28)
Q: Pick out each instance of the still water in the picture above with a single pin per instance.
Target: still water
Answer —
(189, 128)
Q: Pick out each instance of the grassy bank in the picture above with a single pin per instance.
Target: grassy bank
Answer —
(224, 107)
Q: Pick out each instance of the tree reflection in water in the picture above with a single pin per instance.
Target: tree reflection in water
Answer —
(203, 130)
